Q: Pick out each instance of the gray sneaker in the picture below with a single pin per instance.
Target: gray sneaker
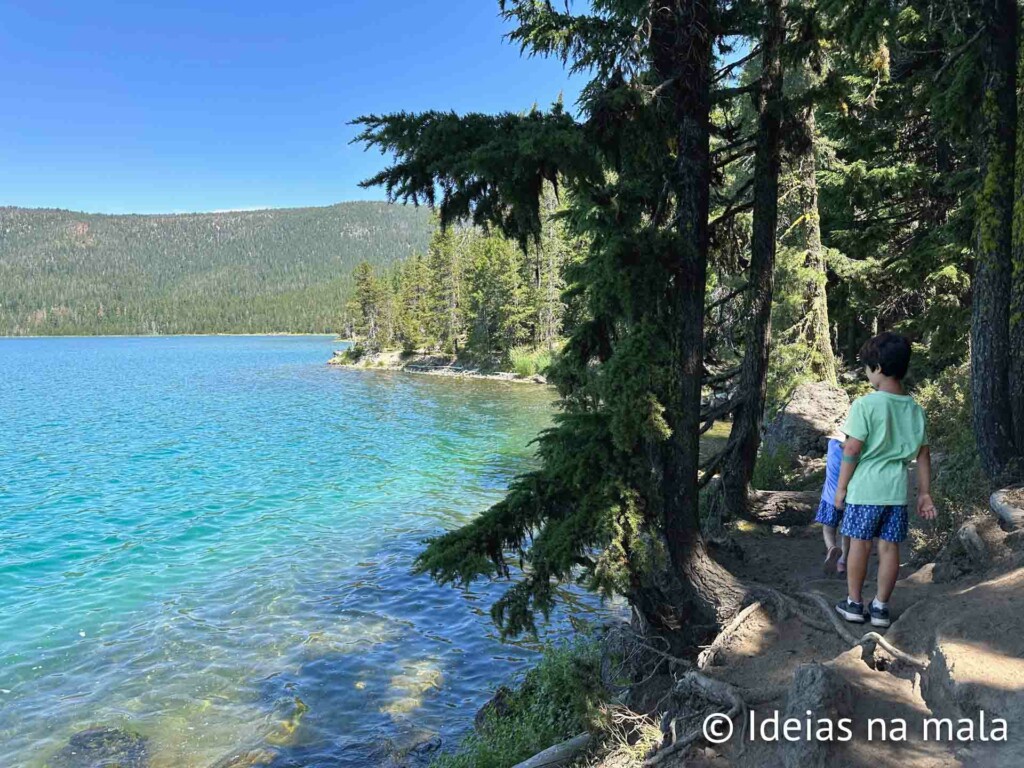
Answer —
(879, 616)
(850, 610)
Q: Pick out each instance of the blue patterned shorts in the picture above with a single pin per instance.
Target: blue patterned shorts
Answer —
(828, 514)
(869, 521)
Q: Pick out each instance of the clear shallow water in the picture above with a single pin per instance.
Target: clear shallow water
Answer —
(198, 534)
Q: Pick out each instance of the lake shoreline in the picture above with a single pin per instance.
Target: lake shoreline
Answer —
(427, 365)
(156, 335)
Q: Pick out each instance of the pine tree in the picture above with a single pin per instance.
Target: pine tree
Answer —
(414, 299)
(446, 290)
(615, 498)
(802, 339)
(497, 307)
(745, 435)
(370, 301)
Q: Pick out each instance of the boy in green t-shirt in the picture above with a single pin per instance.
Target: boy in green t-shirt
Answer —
(885, 431)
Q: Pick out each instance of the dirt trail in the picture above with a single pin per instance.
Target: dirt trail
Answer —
(962, 618)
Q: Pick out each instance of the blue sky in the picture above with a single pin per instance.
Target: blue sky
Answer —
(145, 107)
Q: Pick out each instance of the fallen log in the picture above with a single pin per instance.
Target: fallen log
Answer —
(560, 754)
(1009, 512)
(782, 507)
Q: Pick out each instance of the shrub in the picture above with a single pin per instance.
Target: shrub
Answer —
(959, 486)
(352, 355)
(529, 361)
(774, 469)
(559, 698)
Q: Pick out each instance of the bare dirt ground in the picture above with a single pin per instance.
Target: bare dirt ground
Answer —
(959, 624)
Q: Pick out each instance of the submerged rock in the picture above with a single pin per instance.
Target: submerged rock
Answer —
(250, 758)
(103, 748)
(415, 749)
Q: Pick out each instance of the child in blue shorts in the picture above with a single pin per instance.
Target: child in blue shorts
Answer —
(828, 515)
(885, 431)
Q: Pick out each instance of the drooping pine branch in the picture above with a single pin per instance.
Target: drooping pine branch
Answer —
(490, 169)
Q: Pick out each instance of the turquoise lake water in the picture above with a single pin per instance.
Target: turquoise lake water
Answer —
(200, 537)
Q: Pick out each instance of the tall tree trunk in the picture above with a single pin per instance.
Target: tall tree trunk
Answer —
(745, 437)
(818, 337)
(990, 316)
(1017, 282)
(681, 49)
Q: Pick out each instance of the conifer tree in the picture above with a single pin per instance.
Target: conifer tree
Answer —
(802, 340)
(446, 299)
(745, 435)
(615, 499)
(370, 300)
(497, 305)
(414, 299)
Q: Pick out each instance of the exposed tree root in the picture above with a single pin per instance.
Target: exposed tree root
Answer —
(632, 645)
(721, 693)
(707, 656)
(844, 632)
(786, 605)
(714, 690)
(737, 701)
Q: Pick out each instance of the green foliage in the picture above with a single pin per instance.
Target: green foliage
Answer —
(959, 486)
(899, 174)
(63, 272)
(555, 700)
(352, 355)
(878, 120)
(619, 468)
(774, 469)
(475, 294)
(528, 361)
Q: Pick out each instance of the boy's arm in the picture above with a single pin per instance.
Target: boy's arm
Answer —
(851, 455)
(925, 505)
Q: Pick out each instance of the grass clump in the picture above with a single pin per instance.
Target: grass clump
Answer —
(557, 699)
(714, 440)
(529, 361)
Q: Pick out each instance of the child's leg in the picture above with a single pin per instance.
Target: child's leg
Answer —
(857, 567)
(829, 532)
(829, 518)
(893, 531)
(844, 545)
(888, 568)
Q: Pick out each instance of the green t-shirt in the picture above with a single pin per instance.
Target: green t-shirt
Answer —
(892, 428)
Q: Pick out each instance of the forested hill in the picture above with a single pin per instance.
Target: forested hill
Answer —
(63, 272)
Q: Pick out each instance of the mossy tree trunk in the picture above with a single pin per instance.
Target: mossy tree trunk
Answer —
(1016, 339)
(745, 436)
(817, 335)
(990, 316)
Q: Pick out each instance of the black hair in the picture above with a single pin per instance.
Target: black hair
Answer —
(888, 351)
